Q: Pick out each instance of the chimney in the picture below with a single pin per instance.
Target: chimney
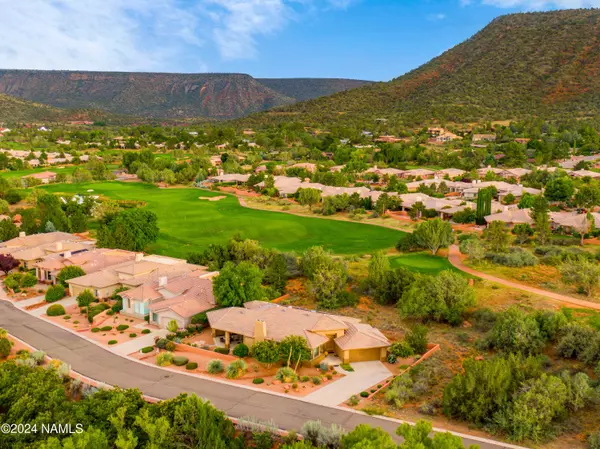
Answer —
(260, 330)
(59, 246)
(67, 254)
(21, 234)
(139, 257)
(162, 281)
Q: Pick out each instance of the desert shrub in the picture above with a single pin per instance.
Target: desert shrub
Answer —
(133, 335)
(95, 329)
(286, 375)
(320, 435)
(416, 338)
(112, 342)
(400, 391)
(593, 440)
(180, 360)
(262, 440)
(170, 346)
(258, 380)
(515, 257)
(122, 327)
(161, 343)
(316, 380)
(147, 349)
(222, 350)
(353, 401)
(38, 356)
(55, 293)
(401, 349)
(164, 359)
(95, 310)
(329, 377)
(191, 366)
(55, 310)
(516, 332)
(364, 394)
(28, 280)
(106, 328)
(347, 367)
(146, 331)
(409, 243)
(483, 319)
(5, 347)
(241, 350)
(215, 367)
(236, 369)
(578, 342)
(304, 379)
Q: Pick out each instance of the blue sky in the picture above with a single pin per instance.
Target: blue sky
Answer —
(363, 39)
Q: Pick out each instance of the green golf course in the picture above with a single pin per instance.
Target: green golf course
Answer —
(422, 263)
(189, 224)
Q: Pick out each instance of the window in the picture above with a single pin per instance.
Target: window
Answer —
(155, 317)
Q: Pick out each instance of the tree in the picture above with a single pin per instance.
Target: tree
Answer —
(104, 210)
(131, 229)
(236, 285)
(393, 285)
(379, 265)
(509, 199)
(366, 437)
(417, 339)
(328, 284)
(50, 210)
(67, 273)
(434, 234)
(540, 214)
(440, 298)
(313, 260)
(5, 347)
(417, 437)
(496, 236)
(484, 206)
(587, 196)
(582, 272)
(309, 197)
(78, 221)
(474, 249)
(276, 273)
(266, 352)
(559, 189)
(516, 332)
(585, 223)
(7, 263)
(522, 231)
(85, 298)
(294, 349)
(8, 230)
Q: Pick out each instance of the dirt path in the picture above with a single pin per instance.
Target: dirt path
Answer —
(455, 258)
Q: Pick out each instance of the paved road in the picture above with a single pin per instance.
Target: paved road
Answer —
(100, 364)
(455, 258)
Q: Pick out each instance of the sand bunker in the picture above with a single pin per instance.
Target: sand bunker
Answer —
(212, 198)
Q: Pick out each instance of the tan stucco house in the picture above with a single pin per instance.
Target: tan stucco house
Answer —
(348, 338)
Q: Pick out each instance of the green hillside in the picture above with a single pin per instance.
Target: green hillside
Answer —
(16, 110)
(519, 65)
(301, 89)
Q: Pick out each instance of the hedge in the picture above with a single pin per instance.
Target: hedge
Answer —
(241, 350)
(222, 350)
(180, 360)
(192, 365)
(55, 293)
(55, 310)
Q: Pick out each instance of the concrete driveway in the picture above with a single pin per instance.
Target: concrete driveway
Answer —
(365, 375)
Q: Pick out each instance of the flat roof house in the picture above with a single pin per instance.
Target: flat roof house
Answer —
(350, 339)
(46, 176)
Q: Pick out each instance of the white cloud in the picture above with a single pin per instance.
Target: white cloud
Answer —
(138, 35)
(537, 4)
(436, 17)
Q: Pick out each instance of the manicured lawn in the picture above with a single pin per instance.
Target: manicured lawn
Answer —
(422, 263)
(188, 224)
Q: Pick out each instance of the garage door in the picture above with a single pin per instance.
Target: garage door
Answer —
(364, 355)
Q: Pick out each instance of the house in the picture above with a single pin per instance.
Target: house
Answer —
(450, 173)
(522, 140)
(337, 168)
(572, 221)
(30, 249)
(515, 173)
(89, 260)
(130, 274)
(453, 186)
(510, 216)
(168, 298)
(285, 185)
(484, 138)
(445, 207)
(443, 138)
(311, 168)
(45, 177)
(390, 139)
(233, 177)
(348, 338)
(435, 131)
(482, 172)
(584, 173)
(422, 173)
(385, 171)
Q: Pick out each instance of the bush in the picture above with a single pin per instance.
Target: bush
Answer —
(147, 349)
(164, 359)
(236, 369)
(117, 306)
(515, 257)
(122, 327)
(85, 298)
(106, 328)
(222, 350)
(484, 319)
(191, 366)
(132, 335)
(170, 346)
(258, 380)
(316, 380)
(347, 367)
(241, 350)
(28, 280)
(593, 440)
(401, 349)
(55, 293)
(364, 394)
(215, 367)
(112, 342)
(5, 346)
(408, 243)
(286, 375)
(161, 343)
(329, 377)
(304, 379)
(95, 329)
(110, 313)
(146, 331)
(38, 356)
(55, 310)
(417, 339)
(180, 360)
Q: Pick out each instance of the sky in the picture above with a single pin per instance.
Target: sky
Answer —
(361, 39)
